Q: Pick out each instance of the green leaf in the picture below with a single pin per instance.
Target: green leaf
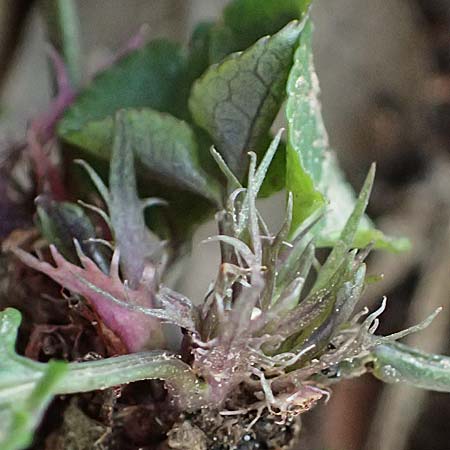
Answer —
(136, 244)
(313, 321)
(153, 76)
(17, 374)
(19, 422)
(347, 235)
(395, 362)
(199, 48)
(167, 150)
(275, 179)
(237, 100)
(165, 147)
(246, 21)
(251, 19)
(26, 387)
(341, 198)
(307, 138)
(312, 173)
(222, 42)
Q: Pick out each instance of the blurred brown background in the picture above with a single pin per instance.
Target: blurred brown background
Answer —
(384, 68)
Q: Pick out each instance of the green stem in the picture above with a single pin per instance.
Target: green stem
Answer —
(182, 383)
(105, 373)
(399, 363)
(63, 27)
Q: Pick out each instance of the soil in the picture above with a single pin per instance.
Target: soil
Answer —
(208, 430)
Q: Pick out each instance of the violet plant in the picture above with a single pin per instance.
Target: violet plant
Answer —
(190, 131)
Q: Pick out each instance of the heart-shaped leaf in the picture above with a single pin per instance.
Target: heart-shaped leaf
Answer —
(153, 76)
(251, 19)
(167, 149)
(237, 100)
(246, 21)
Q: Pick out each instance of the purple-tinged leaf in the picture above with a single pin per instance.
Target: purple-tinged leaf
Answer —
(136, 329)
(136, 244)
